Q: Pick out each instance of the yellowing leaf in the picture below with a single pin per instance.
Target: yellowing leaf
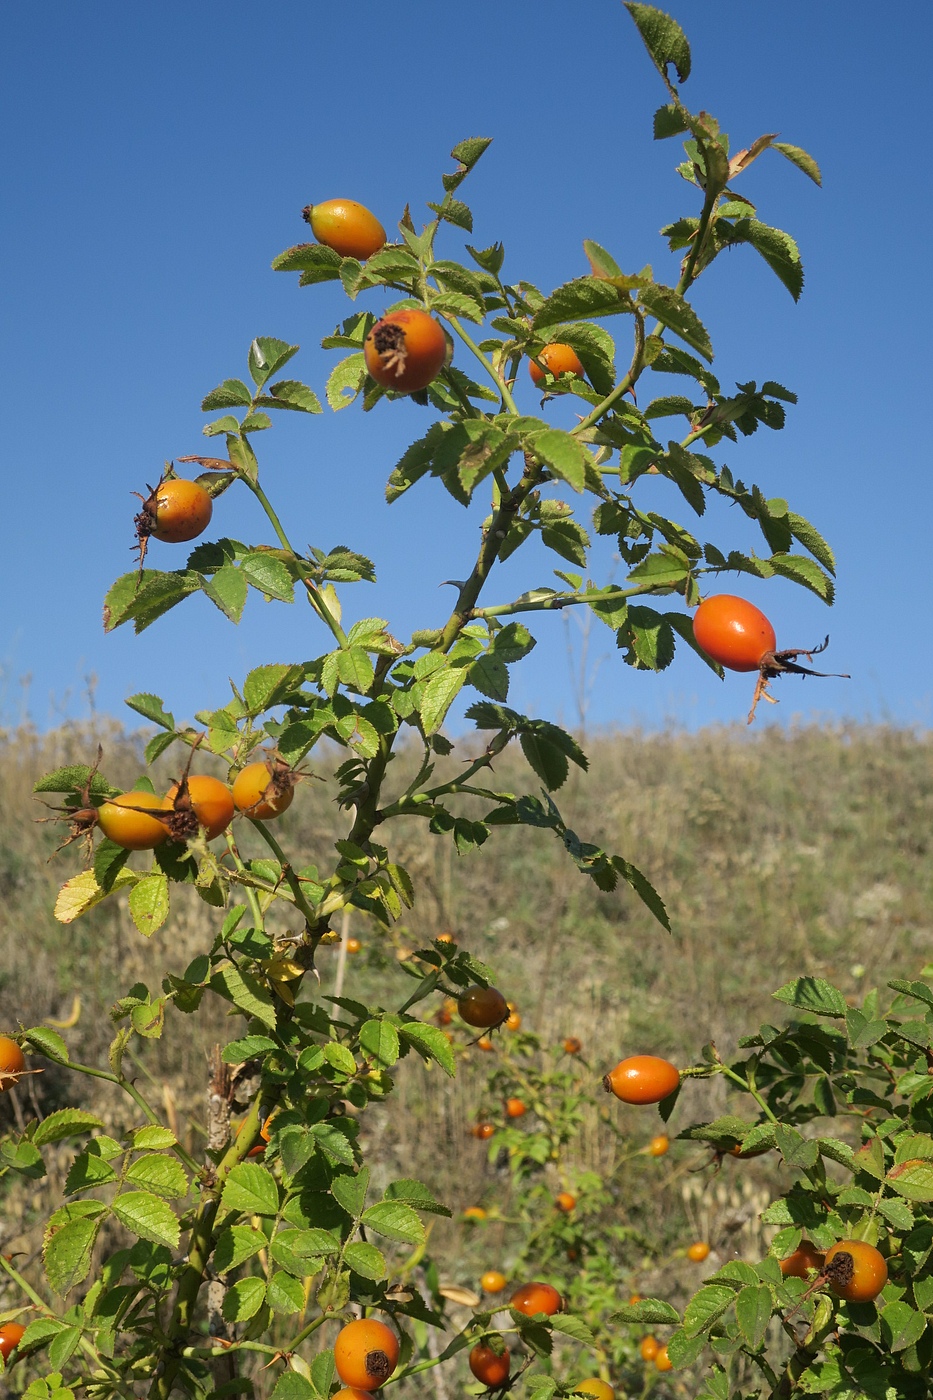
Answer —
(82, 892)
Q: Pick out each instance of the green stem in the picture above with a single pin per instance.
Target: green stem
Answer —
(497, 379)
(291, 879)
(252, 898)
(623, 386)
(749, 1089)
(294, 1344)
(492, 540)
(555, 601)
(314, 594)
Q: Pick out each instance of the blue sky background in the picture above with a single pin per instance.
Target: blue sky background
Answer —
(157, 158)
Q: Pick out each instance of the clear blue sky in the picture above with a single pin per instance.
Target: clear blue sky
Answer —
(156, 159)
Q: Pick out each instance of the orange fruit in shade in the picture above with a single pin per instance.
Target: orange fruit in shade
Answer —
(642, 1079)
(649, 1348)
(354, 945)
(659, 1145)
(474, 1213)
(489, 1366)
(532, 1298)
(733, 632)
(662, 1360)
(492, 1281)
(698, 1251)
(211, 800)
(122, 822)
(483, 1007)
(633, 1299)
(348, 227)
(595, 1387)
(405, 350)
(805, 1256)
(365, 1353)
(11, 1334)
(12, 1063)
(263, 792)
(483, 1131)
(515, 1108)
(559, 359)
(484, 1043)
(572, 1046)
(351, 1392)
(565, 1202)
(513, 1021)
(445, 938)
(866, 1276)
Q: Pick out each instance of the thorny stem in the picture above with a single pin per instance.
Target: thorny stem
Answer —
(252, 897)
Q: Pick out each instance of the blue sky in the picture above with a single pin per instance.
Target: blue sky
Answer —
(157, 158)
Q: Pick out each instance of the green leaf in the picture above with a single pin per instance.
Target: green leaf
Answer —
(301, 1251)
(811, 539)
(345, 381)
(366, 1259)
(227, 590)
(581, 300)
(395, 1220)
(63, 1346)
(269, 576)
(380, 1039)
(266, 686)
(291, 394)
(339, 1057)
(439, 694)
(266, 355)
(683, 1350)
(546, 759)
(669, 121)
(564, 455)
(251, 1190)
(160, 1174)
(678, 315)
(812, 994)
(706, 1308)
(291, 1386)
(152, 708)
(430, 1042)
(800, 158)
(148, 1217)
(664, 39)
(144, 599)
(235, 1245)
(416, 1194)
(232, 393)
(87, 1172)
(805, 571)
(149, 903)
(319, 264)
(246, 992)
(66, 1123)
(284, 1294)
(243, 1299)
(777, 248)
(69, 1243)
(753, 1308)
(49, 1043)
(901, 1326)
(649, 1310)
(913, 1180)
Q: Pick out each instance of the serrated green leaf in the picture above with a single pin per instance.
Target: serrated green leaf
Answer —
(430, 1042)
(380, 1039)
(243, 1299)
(800, 158)
(246, 992)
(149, 903)
(581, 300)
(227, 590)
(269, 576)
(250, 1189)
(395, 1220)
(663, 38)
(706, 1307)
(162, 1175)
(148, 1217)
(678, 315)
(66, 1123)
(366, 1259)
(439, 694)
(812, 994)
(753, 1308)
